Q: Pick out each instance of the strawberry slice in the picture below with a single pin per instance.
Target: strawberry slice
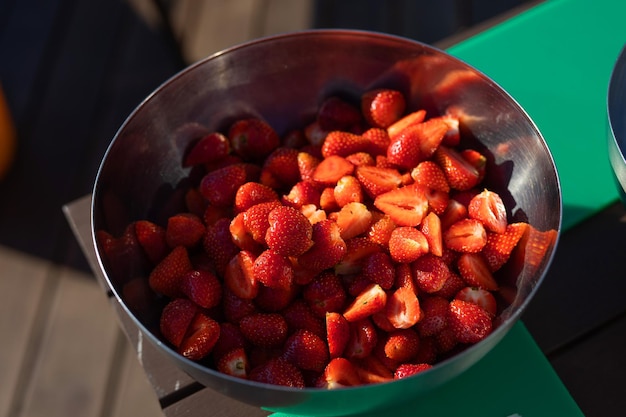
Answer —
(166, 276)
(468, 322)
(409, 369)
(200, 338)
(362, 339)
(353, 219)
(239, 276)
(331, 169)
(328, 247)
(151, 237)
(479, 296)
(343, 143)
(382, 107)
(499, 246)
(429, 174)
(339, 373)
(407, 244)
(202, 287)
(476, 272)
(348, 190)
(368, 302)
(306, 165)
(466, 235)
(431, 228)
(403, 308)
(490, 210)
(406, 206)
(405, 121)
(234, 363)
(461, 174)
(376, 180)
(337, 333)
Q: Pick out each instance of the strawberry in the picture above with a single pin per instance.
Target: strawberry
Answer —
(348, 190)
(325, 294)
(353, 219)
(499, 246)
(273, 270)
(208, 149)
(331, 169)
(314, 214)
(213, 213)
(461, 174)
(306, 350)
(407, 244)
(429, 174)
(453, 135)
(306, 165)
(299, 315)
(431, 228)
(416, 143)
(218, 244)
(376, 180)
(381, 228)
(166, 276)
(339, 373)
(278, 371)
(468, 321)
(219, 187)
(427, 353)
(236, 308)
(401, 345)
(281, 168)
(268, 330)
(252, 138)
(175, 319)
(404, 277)
(343, 143)
(289, 232)
(446, 341)
(488, 208)
(327, 200)
(234, 363)
(294, 139)
(202, 287)
(241, 236)
(431, 273)
(477, 160)
(328, 247)
(382, 107)
(369, 301)
(337, 114)
(302, 193)
(195, 202)
(151, 237)
(434, 315)
(361, 158)
(466, 235)
(362, 339)
(410, 369)
(184, 229)
(314, 133)
(411, 118)
(253, 193)
(239, 276)
(275, 299)
(406, 206)
(337, 334)
(377, 141)
(201, 336)
(437, 200)
(476, 272)
(124, 255)
(536, 244)
(379, 268)
(403, 308)
(357, 249)
(256, 222)
(480, 297)
(230, 339)
(452, 286)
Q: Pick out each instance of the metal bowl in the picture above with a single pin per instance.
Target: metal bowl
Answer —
(283, 79)
(616, 109)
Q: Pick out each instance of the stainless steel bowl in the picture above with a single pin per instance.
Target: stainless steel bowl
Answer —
(283, 80)
(616, 109)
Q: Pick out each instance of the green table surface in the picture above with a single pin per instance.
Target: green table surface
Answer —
(556, 60)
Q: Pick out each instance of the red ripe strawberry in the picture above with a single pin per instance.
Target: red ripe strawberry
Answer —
(469, 322)
(376, 180)
(218, 244)
(404, 122)
(176, 318)
(381, 229)
(416, 143)
(166, 276)
(357, 249)
(210, 148)
(488, 208)
(476, 272)
(428, 351)
(151, 237)
(234, 363)
(299, 315)
(361, 158)
(378, 141)
(410, 369)
(339, 373)
(202, 287)
(281, 167)
(325, 294)
(467, 235)
(327, 200)
(301, 194)
(362, 339)
(294, 139)
(401, 345)
(268, 330)
(479, 296)
(431, 273)
(337, 334)
(306, 165)
(403, 308)
(437, 200)
(348, 190)
(213, 213)
(219, 187)
(289, 232)
(431, 228)
(429, 174)
(230, 339)
(353, 219)
(328, 247)
(239, 276)
(255, 219)
(314, 214)
(404, 277)
(275, 299)
(195, 202)
(253, 193)
(477, 160)
(382, 107)
(273, 270)
(124, 255)
(461, 174)
(306, 350)
(337, 114)
(406, 206)
(499, 246)
(278, 371)
(434, 315)
(200, 338)
(379, 268)
(184, 229)
(331, 169)
(452, 286)
(369, 301)
(407, 244)
(342, 143)
(236, 308)
(445, 341)
(252, 139)
(241, 236)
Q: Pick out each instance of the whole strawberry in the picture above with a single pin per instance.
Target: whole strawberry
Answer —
(252, 138)
(306, 350)
(469, 322)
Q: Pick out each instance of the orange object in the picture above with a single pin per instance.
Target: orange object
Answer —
(8, 141)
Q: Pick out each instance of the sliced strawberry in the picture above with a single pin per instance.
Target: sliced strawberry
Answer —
(411, 118)
(348, 190)
(331, 169)
(357, 249)
(342, 143)
(376, 180)
(289, 232)
(353, 219)
(461, 174)
(202, 287)
(381, 228)
(339, 373)
(361, 158)
(273, 270)
(410, 369)
(477, 160)
(166, 276)
(453, 213)
(219, 187)
(403, 150)
(476, 272)
(241, 236)
(479, 296)
(327, 200)
(403, 308)
(306, 350)
(176, 318)
(302, 193)
(407, 244)
(431, 273)
(210, 148)
(379, 268)
(488, 208)
(431, 228)
(234, 363)
(536, 244)
(184, 229)
(467, 235)
(401, 345)
(499, 246)
(151, 237)
(468, 321)
(299, 315)
(239, 276)
(325, 294)
(200, 338)
(252, 193)
(429, 174)
(337, 333)
(278, 371)
(252, 139)
(306, 165)
(328, 247)
(406, 206)
(336, 113)
(378, 141)
(382, 107)
(281, 168)
(362, 339)
(368, 302)
(267, 330)
(404, 277)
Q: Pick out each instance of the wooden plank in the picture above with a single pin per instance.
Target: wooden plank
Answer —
(24, 291)
(76, 355)
(207, 402)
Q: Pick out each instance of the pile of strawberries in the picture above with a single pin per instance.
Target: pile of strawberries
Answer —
(358, 249)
